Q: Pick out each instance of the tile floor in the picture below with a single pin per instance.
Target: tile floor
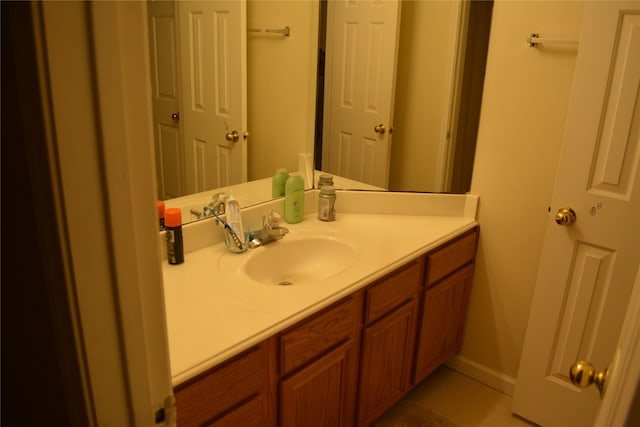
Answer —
(446, 399)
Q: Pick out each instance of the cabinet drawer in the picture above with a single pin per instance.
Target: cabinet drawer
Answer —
(211, 394)
(312, 338)
(393, 290)
(250, 414)
(451, 257)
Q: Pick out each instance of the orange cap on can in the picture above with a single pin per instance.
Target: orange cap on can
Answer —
(173, 217)
(160, 209)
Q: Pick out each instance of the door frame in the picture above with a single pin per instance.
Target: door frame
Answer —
(625, 369)
(447, 150)
(98, 117)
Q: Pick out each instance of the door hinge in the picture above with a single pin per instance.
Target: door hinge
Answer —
(166, 415)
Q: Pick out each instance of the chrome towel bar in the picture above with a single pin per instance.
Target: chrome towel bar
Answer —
(534, 39)
(286, 31)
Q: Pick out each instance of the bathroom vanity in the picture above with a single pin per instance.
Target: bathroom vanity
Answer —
(337, 350)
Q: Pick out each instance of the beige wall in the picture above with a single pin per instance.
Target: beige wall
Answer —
(427, 38)
(521, 127)
(281, 76)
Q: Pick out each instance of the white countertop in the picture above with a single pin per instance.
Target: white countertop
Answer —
(213, 315)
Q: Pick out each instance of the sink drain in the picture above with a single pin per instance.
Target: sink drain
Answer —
(285, 283)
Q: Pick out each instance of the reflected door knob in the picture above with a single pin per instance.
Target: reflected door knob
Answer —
(565, 216)
(380, 128)
(583, 374)
(232, 136)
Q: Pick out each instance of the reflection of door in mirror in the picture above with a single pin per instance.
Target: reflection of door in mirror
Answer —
(362, 41)
(438, 88)
(198, 59)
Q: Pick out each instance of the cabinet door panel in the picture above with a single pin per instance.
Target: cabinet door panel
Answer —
(440, 334)
(321, 394)
(387, 357)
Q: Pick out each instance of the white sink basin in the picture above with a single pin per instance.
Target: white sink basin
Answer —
(294, 260)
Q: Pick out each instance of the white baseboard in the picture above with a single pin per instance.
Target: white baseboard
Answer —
(483, 374)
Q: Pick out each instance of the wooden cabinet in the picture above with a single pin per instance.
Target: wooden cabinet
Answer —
(235, 393)
(312, 337)
(319, 366)
(323, 392)
(388, 341)
(248, 414)
(350, 362)
(444, 304)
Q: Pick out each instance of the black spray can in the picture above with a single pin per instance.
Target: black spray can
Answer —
(173, 225)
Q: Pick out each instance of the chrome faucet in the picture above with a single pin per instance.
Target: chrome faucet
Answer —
(271, 230)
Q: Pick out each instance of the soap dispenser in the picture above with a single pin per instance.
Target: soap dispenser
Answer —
(294, 199)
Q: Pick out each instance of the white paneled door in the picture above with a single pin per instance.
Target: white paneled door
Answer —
(588, 268)
(165, 98)
(362, 40)
(212, 41)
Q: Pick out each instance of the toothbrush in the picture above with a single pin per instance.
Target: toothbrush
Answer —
(224, 224)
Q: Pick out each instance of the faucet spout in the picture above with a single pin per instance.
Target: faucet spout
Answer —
(264, 237)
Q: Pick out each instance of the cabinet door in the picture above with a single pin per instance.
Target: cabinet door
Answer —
(440, 334)
(387, 357)
(322, 393)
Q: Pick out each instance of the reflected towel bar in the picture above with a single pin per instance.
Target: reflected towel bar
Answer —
(286, 31)
(534, 39)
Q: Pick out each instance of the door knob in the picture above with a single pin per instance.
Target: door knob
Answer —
(232, 136)
(565, 216)
(379, 129)
(175, 117)
(583, 374)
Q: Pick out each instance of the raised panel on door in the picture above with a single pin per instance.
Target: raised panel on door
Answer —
(170, 166)
(442, 322)
(386, 361)
(587, 269)
(321, 394)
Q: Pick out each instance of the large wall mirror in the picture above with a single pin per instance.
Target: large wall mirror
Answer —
(242, 88)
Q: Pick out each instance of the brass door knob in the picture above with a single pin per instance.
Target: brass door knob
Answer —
(583, 374)
(565, 216)
(380, 128)
(232, 136)
(175, 117)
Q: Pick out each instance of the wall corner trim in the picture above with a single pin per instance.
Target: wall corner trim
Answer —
(494, 379)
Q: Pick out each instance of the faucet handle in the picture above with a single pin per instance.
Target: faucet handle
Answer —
(218, 203)
(272, 219)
